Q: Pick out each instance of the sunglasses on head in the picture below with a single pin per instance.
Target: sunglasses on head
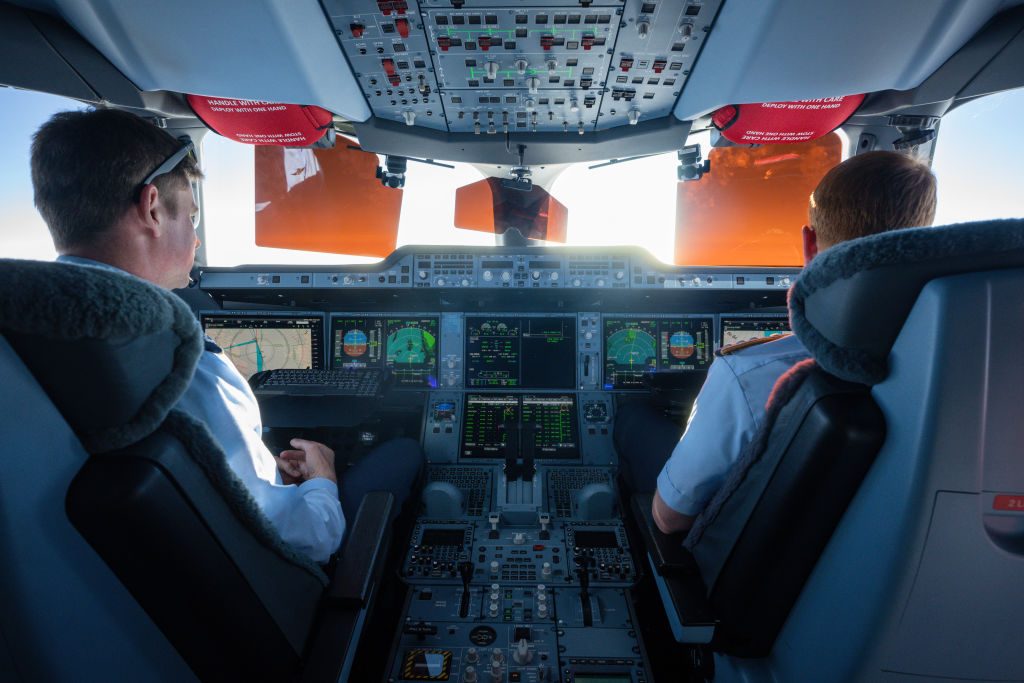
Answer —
(171, 163)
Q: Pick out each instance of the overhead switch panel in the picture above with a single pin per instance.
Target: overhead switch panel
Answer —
(486, 66)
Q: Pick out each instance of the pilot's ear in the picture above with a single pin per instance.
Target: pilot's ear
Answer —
(810, 240)
(147, 208)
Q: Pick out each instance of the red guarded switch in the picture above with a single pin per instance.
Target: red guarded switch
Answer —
(444, 42)
(403, 27)
(626, 63)
(389, 66)
(484, 42)
(587, 41)
(659, 65)
(547, 41)
(357, 30)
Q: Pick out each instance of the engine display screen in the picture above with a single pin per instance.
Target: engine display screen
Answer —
(533, 353)
(636, 347)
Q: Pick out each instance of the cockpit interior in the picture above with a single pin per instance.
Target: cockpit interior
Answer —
(875, 533)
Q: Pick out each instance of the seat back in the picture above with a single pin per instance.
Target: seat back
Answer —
(65, 615)
(155, 500)
(921, 574)
(757, 544)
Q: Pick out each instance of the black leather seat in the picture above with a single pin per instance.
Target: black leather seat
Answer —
(866, 535)
(184, 575)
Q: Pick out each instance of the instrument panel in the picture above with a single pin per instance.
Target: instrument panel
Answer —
(519, 567)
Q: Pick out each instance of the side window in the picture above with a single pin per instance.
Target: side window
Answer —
(979, 160)
(24, 234)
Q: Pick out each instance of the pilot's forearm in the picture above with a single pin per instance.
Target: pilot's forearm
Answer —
(668, 520)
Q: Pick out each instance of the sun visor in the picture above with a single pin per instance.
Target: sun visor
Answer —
(326, 200)
(255, 122)
(784, 122)
(489, 205)
(748, 210)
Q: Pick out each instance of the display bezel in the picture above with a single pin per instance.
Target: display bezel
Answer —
(568, 382)
(428, 380)
(612, 383)
(572, 453)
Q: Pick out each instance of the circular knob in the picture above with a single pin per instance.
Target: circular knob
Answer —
(574, 105)
(696, 282)
(531, 104)
(488, 275)
(492, 70)
(542, 610)
(576, 282)
(494, 567)
(465, 282)
(554, 275)
(541, 588)
(600, 282)
(494, 609)
(619, 275)
(521, 65)
(786, 281)
(546, 570)
(469, 675)
(497, 656)
(542, 597)
(440, 282)
(552, 66)
(533, 84)
(347, 279)
(686, 31)
(588, 335)
(410, 117)
(643, 28)
(422, 274)
(472, 656)
(535, 275)
(506, 276)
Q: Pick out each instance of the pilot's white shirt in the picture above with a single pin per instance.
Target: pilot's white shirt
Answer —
(727, 413)
(307, 516)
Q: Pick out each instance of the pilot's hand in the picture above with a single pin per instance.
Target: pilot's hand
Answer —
(308, 460)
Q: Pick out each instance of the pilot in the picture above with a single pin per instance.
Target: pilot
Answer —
(117, 192)
(867, 194)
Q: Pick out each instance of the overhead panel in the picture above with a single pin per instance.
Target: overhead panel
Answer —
(485, 67)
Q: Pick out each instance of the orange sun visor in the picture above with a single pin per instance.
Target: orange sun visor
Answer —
(488, 206)
(748, 210)
(326, 200)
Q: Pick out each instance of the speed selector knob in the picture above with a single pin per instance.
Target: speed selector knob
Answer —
(469, 675)
(488, 275)
(506, 276)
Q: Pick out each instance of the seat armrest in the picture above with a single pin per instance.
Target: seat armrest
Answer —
(667, 553)
(364, 552)
(677, 577)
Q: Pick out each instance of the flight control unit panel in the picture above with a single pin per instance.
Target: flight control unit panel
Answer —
(519, 567)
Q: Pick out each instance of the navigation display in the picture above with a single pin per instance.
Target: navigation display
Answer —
(405, 345)
(411, 350)
(636, 347)
(255, 343)
(549, 418)
(736, 330)
(535, 353)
